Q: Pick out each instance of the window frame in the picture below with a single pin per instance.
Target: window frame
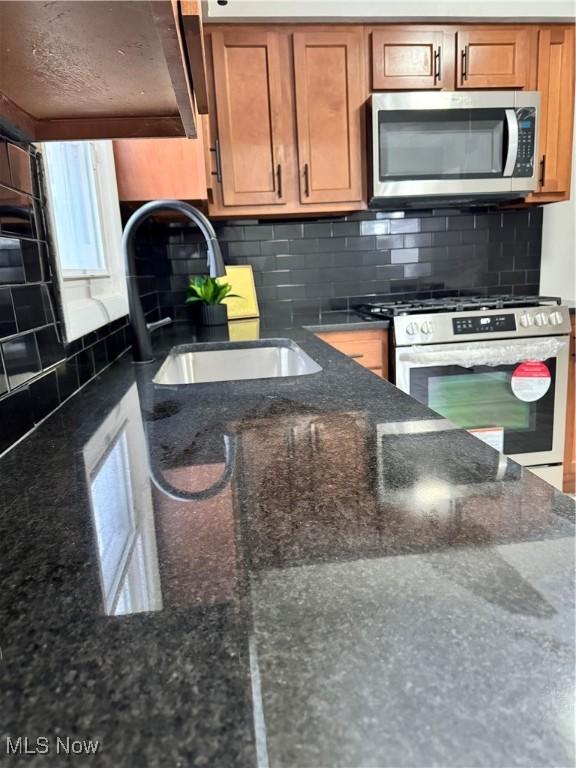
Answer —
(90, 299)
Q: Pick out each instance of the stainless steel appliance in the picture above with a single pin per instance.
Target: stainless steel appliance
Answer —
(496, 366)
(451, 145)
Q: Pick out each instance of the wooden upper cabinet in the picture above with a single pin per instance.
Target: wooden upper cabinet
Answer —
(410, 59)
(493, 58)
(556, 86)
(252, 124)
(153, 169)
(328, 92)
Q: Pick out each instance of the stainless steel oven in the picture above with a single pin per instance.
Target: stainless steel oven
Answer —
(500, 374)
(453, 145)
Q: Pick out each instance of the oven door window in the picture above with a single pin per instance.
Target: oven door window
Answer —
(442, 144)
(482, 397)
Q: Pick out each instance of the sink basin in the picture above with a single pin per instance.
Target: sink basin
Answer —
(201, 363)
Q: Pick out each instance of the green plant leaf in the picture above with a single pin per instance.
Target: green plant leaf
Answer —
(208, 290)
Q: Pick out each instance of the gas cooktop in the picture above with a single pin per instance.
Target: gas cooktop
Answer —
(389, 309)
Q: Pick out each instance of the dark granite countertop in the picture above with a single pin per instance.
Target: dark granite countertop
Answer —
(352, 582)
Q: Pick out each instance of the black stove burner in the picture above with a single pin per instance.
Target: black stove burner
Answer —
(388, 309)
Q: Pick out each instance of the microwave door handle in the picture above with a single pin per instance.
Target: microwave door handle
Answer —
(512, 154)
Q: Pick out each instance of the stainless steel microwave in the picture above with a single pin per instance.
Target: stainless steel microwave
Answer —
(452, 145)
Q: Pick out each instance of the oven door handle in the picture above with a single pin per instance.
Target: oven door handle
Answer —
(469, 355)
(512, 154)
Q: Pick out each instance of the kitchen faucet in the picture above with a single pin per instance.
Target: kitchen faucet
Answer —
(142, 346)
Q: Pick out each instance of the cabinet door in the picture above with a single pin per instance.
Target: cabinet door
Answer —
(492, 58)
(556, 86)
(252, 122)
(153, 169)
(408, 59)
(328, 84)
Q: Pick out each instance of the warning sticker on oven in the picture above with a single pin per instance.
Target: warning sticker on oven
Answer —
(531, 381)
(492, 436)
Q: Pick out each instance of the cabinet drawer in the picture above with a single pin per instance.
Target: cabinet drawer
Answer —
(332, 337)
(367, 353)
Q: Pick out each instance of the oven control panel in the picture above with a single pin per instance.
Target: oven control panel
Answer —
(483, 324)
(477, 324)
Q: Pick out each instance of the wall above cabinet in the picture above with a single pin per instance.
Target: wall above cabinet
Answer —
(92, 70)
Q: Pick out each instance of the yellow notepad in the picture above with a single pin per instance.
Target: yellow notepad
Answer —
(241, 279)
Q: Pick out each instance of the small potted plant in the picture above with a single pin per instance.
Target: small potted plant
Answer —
(209, 294)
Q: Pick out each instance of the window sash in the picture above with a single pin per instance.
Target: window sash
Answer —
(76, 209)
(91, 299)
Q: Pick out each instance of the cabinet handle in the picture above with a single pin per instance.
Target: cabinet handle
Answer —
(306, 180)
(279, 179)
(464, 59)
(218, 171)
(356, 356)
(543, 170)
(438, 65)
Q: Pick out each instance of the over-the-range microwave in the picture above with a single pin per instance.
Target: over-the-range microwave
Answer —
(474, 146)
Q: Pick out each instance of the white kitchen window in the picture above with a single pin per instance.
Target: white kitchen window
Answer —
(86, 233)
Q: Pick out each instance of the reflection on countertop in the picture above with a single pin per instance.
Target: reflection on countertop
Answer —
(354, 583)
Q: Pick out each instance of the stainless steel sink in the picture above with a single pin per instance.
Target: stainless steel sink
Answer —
(228, 361)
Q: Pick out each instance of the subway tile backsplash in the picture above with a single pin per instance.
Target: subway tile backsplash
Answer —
(306, 268)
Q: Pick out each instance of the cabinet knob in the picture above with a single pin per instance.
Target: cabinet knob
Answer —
(541, 319)
(555, 318)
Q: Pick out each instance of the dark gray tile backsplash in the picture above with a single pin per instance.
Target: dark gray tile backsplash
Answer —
(37, 370)
(313, 267)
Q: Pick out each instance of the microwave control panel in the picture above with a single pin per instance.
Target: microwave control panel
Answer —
(526, 138)
(483, 324)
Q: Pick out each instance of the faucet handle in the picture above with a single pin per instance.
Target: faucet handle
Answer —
(159, 323)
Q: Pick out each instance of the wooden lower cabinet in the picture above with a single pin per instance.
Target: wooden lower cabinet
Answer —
(368, 348)
(570, 443)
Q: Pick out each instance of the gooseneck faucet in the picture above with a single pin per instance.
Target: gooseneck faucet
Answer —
(142, 346)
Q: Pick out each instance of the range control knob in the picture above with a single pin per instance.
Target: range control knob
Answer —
(426, 327)
(555, 318)
(526, 320)
(412, 329)
(541, 319)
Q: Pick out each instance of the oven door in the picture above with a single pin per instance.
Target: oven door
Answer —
(511, 394)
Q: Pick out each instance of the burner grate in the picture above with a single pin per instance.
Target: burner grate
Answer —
(389, 309)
